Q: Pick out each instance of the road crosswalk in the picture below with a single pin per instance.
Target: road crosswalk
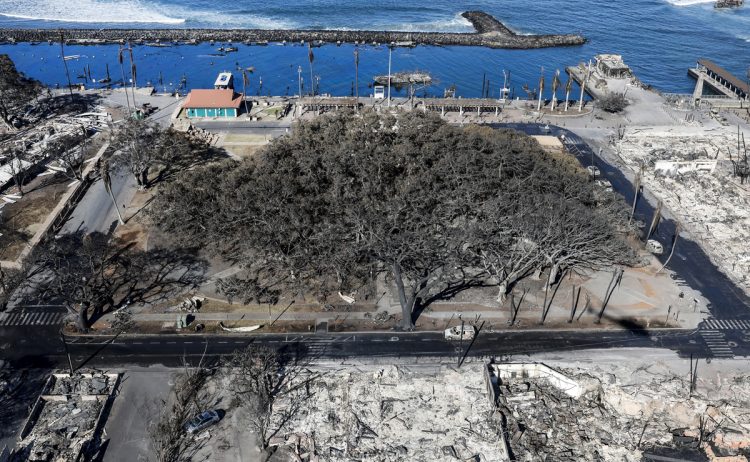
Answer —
(726, 324)
(31, 318)
(717, 344)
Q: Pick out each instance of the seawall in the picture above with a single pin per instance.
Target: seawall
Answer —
(489, 32)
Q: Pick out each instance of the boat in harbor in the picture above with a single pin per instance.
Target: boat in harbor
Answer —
(405, 78)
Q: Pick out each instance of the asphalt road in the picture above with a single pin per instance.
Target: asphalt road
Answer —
(95, 212)
(34, 346)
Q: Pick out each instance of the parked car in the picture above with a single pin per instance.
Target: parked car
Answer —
(454, 333)
(203, 420)
(654, 247)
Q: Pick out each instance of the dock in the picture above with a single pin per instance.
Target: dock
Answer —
(720, 80)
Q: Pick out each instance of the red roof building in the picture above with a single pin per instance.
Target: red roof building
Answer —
(212, 103)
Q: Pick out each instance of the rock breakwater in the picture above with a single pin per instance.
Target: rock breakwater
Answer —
(490, 32)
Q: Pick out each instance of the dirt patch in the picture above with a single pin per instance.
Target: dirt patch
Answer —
(21, 220)
(216, 306)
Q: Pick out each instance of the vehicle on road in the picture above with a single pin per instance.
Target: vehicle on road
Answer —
(456, 333)
(201, 421)
(654, 247)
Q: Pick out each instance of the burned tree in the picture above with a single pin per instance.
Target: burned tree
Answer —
(613, 102)
(346, 198)
(69, 152)
(140, 146)
(169, 440)
(93, 273)
(18, 161)
(258, 377)
(16, 90)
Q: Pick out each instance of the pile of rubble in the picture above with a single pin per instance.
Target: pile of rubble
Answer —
(692, 173)
(66, 419)
(620, 417)
(391, 414)
(37, 141)
(97, 383)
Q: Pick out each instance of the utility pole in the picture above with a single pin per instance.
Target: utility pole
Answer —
(356, 75)
(674, 244)
(637, 192)
(390, 51)
(67, 353)
(65, 63)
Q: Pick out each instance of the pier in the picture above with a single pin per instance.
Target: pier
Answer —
(723, 82)
(489, 32)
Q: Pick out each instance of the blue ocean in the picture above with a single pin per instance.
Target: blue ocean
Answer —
(660, 39)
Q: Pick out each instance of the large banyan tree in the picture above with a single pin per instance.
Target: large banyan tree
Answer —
(434, 207)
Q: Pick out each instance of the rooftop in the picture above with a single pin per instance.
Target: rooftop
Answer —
(212, 99)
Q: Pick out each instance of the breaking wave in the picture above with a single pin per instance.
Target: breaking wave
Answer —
(689, 2)
(455, 24)
(88, 11)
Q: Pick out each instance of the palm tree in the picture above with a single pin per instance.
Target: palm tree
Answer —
(245, 83)
(133, 73)
(65, 63)
(568, 87)
(107, 179)
(122, 70)
(555, 86)
(541, 91)
(311, 58)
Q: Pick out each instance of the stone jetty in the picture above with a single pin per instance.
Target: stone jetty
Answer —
(489, 32)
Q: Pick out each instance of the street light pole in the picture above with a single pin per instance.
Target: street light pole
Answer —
(67, 353)
(299, 77)
(390, 50)
(356, 74)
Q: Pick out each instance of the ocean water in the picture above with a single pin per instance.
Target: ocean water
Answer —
(660, 39)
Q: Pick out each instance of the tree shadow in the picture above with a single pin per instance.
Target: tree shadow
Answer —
(447, 293)
(632, 326)
(23, 385)
(98, 274)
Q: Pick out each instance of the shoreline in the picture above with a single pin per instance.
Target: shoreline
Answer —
(489, 32)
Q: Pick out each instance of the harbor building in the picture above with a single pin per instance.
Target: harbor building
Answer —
(223, 103)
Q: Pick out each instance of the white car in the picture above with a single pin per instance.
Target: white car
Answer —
(454, 333)
(654, 247)
(201, 421)
(593, 170)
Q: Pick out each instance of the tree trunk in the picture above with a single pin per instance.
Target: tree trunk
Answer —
(502, 291)
(83, 319)
(142, 177)
(407, 303)
(553, 275)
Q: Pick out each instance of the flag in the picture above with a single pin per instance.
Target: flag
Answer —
(310, 55)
